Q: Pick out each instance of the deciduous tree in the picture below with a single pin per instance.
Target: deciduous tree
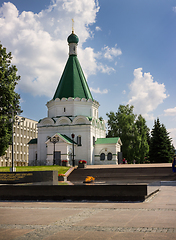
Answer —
(9, 99)
(132, 131)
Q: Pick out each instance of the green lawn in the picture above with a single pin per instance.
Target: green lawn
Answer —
(60, 169)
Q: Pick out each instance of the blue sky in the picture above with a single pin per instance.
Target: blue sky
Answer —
(127, 51)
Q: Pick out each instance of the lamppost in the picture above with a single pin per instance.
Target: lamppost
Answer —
(8, 115)
(73, 160)
(14, 121)
(54, 140)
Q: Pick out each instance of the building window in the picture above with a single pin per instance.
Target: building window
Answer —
(79, 140)
(64, 109)
(93, 141)
(102, 156)
(109, 157)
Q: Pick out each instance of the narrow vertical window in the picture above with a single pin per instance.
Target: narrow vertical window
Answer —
(93, 141)
(79, 140)
(64, 109)
(102, 156)
(109, 157)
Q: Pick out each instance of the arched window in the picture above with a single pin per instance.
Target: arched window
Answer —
(102, 156)
(109, 157)
(79, 140)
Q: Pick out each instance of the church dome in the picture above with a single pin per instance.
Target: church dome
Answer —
(73, 38)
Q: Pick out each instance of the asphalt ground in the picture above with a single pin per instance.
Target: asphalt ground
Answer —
(150, 220)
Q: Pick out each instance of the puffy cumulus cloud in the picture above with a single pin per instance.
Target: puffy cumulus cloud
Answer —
(38, 42)
(105, 91)
(86, 55)
(110, 53)
(98, 28)
(105, 68)
(145, 94)
(170, 112)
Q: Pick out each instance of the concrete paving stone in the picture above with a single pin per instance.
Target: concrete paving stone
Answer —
(159, 236)
(33, 216)
(128, 235)
(74, 235)
(65, 235)
(149, 220)
(8, 234)
(143, 236)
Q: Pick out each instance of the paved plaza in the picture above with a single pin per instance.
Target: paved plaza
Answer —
(153, 219)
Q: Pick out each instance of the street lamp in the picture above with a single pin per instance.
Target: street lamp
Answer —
(11, 115)
(73, 160)
(14, 121)
(54, 140)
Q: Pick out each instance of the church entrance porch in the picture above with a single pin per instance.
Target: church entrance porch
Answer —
(59, 151)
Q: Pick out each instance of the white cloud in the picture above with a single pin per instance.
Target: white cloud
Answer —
(38, 42)
(174, 9)
(170, 112)
(124, 92)
(172, 134)
(145, 94)
(110, 53)
(105, 68)
(105, 91)
(97, 28)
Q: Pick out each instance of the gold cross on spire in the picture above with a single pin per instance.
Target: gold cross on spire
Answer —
(72, 25)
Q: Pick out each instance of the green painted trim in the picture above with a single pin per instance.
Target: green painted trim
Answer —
(53, 119)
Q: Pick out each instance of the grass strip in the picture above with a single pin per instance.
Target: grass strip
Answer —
(60, 169)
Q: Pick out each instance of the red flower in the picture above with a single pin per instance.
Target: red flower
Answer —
(64, 160)
(82, 161)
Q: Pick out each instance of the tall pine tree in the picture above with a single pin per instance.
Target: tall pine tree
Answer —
(161, 149)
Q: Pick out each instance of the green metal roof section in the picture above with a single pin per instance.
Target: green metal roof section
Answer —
(66, 138)
(107, 140)
(73, 82)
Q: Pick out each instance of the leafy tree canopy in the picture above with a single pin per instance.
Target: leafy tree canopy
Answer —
(132, 130)
(9, 99)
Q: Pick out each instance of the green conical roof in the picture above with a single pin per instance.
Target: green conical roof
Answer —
(73, 82)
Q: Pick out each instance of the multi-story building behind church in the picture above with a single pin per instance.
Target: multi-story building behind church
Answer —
(23, 133)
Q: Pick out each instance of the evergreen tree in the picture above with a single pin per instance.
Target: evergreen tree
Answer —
(132, 132)
(9, 99)
(161, 149)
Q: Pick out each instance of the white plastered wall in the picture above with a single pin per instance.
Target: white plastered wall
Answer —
(107, 148)
(72, 107)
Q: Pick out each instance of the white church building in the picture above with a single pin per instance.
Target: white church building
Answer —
(72, 127)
